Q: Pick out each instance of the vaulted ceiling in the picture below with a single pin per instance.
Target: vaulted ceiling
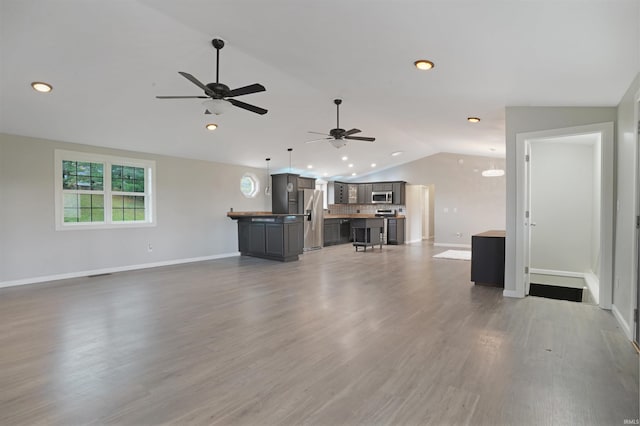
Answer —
(107, 61)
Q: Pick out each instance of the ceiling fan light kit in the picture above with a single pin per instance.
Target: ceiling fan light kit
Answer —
(219, 95)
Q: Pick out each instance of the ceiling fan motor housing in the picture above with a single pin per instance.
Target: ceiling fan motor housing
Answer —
(219, 90)
(337, 133)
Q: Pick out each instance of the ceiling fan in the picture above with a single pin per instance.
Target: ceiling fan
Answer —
(218, 95)
(338, 136)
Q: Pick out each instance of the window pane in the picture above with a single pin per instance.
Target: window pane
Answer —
(70, 201)
(116, 184)
(69, 182)
(85, 200)
(139, 186)
(116, 215)
(96, 184)
(97, 169)
(117, 201)
(69, 167)
(128, 172)
(84, 182)
(116, 172)
(84, 169)
(97, 201)
(129, 214)
(129, 202)
(85, 215)
(139, 173)
(139, 214)
(139, 202)
(128, 186)
(97, 215)
(70, 215)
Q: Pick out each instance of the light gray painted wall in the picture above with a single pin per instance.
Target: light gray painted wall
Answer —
(627, 193)
(193, 198)
(532, 119)
(474, 203)
(562, 206)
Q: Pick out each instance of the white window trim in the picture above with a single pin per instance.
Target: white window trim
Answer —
(150, 194)
(256, 185)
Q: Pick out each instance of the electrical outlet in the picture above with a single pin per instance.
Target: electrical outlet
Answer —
(149, 248)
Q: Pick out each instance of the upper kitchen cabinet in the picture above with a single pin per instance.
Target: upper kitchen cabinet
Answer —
(398, 192)
(364, 193)
(284, 193)
(382, 186)
(340, 193)
(306, 183)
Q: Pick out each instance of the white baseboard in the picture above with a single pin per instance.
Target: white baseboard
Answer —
(512, 293)
(468, 246)
(623, 323)
(571, 274)
(594, 285)
(35, 280)
(413, 241)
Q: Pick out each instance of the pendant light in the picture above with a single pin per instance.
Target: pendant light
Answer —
(290, 184)
(267, 188)
(493, 172)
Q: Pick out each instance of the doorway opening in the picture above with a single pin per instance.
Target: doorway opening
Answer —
(420, 212)
(566, 205)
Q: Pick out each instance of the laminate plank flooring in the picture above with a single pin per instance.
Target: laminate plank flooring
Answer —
(387, 336)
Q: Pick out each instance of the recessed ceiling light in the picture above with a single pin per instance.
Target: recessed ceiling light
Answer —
(211, 126)
(351, 165)
(353, 174)
(423, 64)
(395, 154)
(309, 166)
(373, 164)
(41, 87)
(473, 119)
(345, 158)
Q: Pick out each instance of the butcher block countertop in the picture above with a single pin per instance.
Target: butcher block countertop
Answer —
(235, 215)
(358, 216)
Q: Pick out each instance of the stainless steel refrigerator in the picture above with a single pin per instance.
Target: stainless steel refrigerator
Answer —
(310, 204)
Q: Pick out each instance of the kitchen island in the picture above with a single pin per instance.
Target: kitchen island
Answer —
(270, 235)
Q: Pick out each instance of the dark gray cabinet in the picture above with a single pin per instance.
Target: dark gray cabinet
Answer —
(284, 193)
(277, 238)
(306, 183)
(395, 231)
(337, 231)
(367, 232)
(382, 186)
(340, 193)
(364, 193)
(360, 193)
(487, 258)
(398, 192)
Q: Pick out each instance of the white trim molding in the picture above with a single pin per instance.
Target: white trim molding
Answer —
(623, 324)
(512, 293)
(36, 280)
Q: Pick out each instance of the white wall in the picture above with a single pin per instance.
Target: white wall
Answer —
(465, 203)
(415, 205)
(627, 199)
(562, 206)
(193, 198)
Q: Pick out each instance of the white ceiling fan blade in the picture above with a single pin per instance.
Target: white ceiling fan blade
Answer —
(319, 140)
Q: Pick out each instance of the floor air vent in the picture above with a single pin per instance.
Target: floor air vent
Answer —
(556, 292)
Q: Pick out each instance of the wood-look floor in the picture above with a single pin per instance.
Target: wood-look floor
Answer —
(339, 337)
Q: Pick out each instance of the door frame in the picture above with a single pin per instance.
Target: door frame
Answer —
(523, 140)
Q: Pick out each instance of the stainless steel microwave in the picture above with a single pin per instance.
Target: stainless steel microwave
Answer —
(382, 197)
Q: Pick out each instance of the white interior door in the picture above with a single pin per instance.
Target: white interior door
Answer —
(527, 219)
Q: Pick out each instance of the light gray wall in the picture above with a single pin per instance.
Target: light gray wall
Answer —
(627, 193)
(474, 203)
(562, 206)
(193, 198)
(532, 119)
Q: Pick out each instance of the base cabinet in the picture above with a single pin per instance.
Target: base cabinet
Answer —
(487, 258)
(395, 231)
(279, 238)
(337, 231)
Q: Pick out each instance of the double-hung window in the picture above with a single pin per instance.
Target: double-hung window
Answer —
(100, 191)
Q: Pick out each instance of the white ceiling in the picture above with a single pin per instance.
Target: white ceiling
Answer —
(107, 60)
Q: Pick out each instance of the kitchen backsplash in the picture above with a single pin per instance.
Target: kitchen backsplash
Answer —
(363, 208)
